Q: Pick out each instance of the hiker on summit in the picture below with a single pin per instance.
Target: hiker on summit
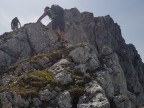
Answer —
(14, 24)
(56, 14)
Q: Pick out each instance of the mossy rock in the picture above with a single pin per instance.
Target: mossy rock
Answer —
(37, 75)
(51, 57)
(30, 83)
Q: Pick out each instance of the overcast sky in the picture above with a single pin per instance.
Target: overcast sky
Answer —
(129, 14)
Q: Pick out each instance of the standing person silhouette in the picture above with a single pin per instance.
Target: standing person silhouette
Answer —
(56, 14)
(14, 24)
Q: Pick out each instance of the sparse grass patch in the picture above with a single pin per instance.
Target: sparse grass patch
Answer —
(30, 83)
(51, 56)
(14, 66)
(24, 91)
(76, 92)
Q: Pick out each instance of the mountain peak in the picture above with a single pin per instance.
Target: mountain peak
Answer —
(97, 69)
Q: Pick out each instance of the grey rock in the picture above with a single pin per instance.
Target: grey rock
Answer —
(46, 95)
(106, 50)
(4, 101)
(82, 68)
(85, 55)
(80, 55)
(5, 80)
(64, 100)
(19, 101)
(36, 102)
(61, 75)
(63, 78)
(32, 39)
(102, 55)
(106, 82)
(13, 99)
(122, 102)
(95, 99)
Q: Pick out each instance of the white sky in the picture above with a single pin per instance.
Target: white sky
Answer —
(129, 14)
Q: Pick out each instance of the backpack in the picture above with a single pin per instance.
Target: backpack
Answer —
(57, 10)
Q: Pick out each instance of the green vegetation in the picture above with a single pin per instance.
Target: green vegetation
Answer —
(30, 83)
(51, 58)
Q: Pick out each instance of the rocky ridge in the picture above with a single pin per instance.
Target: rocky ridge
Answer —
(96, 70)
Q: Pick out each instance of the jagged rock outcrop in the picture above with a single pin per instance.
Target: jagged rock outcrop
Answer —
(96, 70)
(95, 99)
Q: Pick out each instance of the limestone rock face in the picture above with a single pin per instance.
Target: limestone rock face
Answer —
(95, 99)
(85, 55)
(30, 40)
(61, 75)
(97, 69)
(13, 99)
(64, 100)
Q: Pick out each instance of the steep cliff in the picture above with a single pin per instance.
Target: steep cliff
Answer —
(97, 69)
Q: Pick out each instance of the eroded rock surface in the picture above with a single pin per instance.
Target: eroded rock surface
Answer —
(97, 69)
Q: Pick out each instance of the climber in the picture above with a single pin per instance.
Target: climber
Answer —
(56, 14)
(14, 24)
